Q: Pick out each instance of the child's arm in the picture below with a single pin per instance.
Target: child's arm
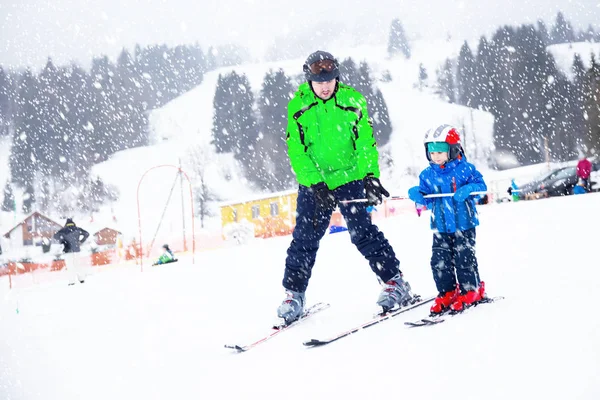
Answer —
(475, 183)
(416, 193)
(475, 180)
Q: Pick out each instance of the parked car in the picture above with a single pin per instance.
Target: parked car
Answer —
(559, 182)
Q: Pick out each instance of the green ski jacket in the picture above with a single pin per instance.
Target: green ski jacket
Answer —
(330, 141)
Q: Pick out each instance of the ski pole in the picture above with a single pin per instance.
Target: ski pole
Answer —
(429, 196)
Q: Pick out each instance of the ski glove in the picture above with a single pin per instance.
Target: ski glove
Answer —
(323, 196)
(415, 194)
(463, 193)
(374, 190)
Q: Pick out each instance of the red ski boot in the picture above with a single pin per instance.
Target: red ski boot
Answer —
(442, 302)
(466, 300)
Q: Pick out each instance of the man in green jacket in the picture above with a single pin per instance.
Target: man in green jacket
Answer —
(334, 156)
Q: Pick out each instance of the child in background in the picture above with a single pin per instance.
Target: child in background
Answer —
(453, 219)
(580, 188)
(166, 257)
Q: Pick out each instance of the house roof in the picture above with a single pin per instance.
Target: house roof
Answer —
(7, 234)
(106, 227)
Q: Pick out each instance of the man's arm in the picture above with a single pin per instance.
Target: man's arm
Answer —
(84, 233)
(305, 169)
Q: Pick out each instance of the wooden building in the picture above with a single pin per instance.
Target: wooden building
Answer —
(271, 215)
(31, 230)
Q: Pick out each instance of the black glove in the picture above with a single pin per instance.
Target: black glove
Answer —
(374, 190)
(323, 196)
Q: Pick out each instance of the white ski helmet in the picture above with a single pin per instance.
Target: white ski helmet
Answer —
(444, 134)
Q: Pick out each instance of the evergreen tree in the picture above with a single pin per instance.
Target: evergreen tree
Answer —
(592, 107)
(244, 124)
(28, 199)
(376, 105)
(44, 198)
(483, 85)
(445, 82)
(576, 113)
(129, 97)
(23, 157)
(76, 149)
(543, 32)
(398, 42)
(502, 59)
(49, 111)
(349, 73)
(380, 117)
(222, 137)
(106, 121)
(465, 77)
(234, 123)
(274, 171)
(562, 32)
(5, 89)
(423, 76)
(8, 203)
(589, 35)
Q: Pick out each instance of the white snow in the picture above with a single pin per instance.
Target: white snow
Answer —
(159, 334)
(564, 53)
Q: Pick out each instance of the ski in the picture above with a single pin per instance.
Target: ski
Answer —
(277, 329)
(376, 320)
(438, 319)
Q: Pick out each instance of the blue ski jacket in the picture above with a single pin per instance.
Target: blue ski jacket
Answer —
(447, 214)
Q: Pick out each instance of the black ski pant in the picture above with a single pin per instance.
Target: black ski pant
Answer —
(312, 224)
(453, 259)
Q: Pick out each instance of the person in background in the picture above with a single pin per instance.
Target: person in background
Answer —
(580, 187)
(71, 237)
(513, 190)
(584, 170)
(166, 257)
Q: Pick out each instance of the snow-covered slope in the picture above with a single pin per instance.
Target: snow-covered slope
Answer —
(187, 121)
(564, 53)
(160, 334)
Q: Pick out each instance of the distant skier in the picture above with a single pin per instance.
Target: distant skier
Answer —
(71, 237)
(334, 156)
(166, 257)
(453, 219)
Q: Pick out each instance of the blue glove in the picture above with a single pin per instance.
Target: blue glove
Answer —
(415, 194)
(463, 193)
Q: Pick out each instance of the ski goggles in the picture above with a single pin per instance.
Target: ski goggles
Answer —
(322, 65)
(438, 147)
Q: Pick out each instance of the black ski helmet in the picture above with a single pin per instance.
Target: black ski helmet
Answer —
(323, 74)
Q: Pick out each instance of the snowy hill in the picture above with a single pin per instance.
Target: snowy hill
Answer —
(187, 122)
(160, 334)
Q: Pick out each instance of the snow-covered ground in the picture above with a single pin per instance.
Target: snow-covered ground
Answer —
(159, 334)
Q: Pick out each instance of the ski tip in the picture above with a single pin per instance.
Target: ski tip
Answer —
(236, 347)
(313, 343)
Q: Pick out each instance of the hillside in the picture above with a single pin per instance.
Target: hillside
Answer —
(187, 121)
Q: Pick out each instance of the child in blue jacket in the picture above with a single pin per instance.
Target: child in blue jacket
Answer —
(453, 219)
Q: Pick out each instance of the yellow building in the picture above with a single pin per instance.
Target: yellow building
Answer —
(271, 215)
